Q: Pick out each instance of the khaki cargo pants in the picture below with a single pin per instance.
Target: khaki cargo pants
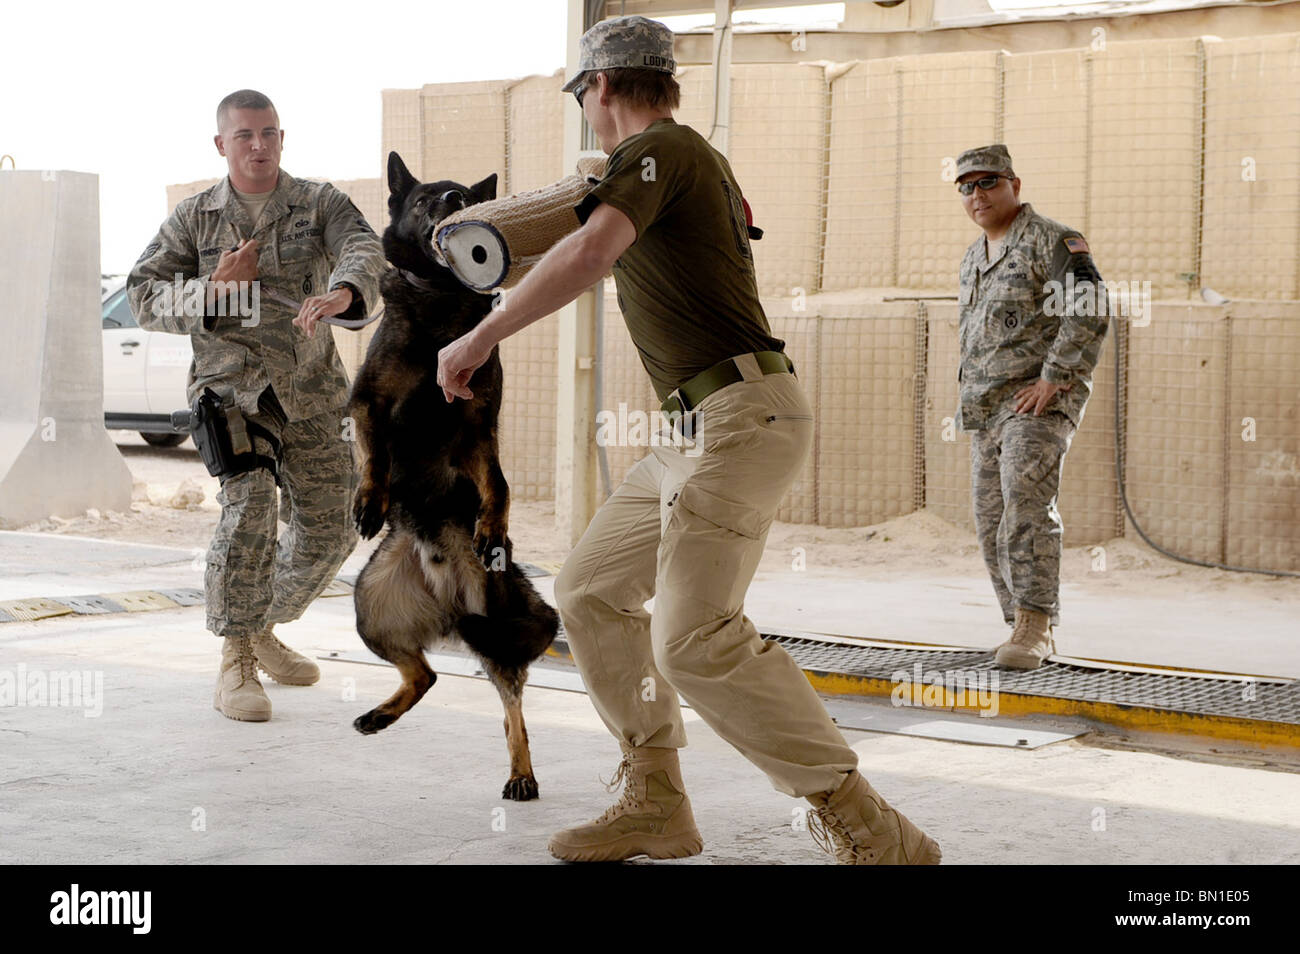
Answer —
(253, 579)
(688, 529)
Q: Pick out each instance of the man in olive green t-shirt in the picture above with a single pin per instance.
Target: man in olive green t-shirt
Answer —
(686, 286)
(687, 525)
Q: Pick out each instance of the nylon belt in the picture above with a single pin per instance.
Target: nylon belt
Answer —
(689, 395)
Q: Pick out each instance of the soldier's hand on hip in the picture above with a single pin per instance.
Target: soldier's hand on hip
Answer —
(238, 264)
(317, 307)
(1037, 396)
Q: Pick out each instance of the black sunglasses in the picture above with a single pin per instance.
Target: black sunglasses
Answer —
(987, 183)
(578, 92)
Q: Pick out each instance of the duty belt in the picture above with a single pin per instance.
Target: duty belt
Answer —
(687, 396)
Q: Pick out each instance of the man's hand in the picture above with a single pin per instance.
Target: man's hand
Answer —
(235, 265)
(1037, 396)
(457, 363)
(317, 307)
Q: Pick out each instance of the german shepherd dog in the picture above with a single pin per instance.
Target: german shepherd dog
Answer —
(444, 571)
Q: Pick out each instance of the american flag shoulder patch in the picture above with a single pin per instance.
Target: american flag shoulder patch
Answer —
(1076, 244)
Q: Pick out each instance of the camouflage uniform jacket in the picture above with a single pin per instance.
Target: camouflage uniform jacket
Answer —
(1017, 323)
(311, 239)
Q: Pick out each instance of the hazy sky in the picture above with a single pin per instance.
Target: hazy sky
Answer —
(128, 90)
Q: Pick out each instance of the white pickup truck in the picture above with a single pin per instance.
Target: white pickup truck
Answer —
(144, 373)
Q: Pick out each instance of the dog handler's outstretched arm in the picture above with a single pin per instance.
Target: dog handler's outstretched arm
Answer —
(572, 266)
(358, 260)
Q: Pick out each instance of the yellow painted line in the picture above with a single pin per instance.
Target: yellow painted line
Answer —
(36, 607)
(139, 601)
(1136, 718)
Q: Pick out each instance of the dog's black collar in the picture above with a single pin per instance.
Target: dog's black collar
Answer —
(421, 283)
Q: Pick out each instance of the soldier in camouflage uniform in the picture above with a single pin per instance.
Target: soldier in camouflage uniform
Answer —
(1033, 318)
(296, 240)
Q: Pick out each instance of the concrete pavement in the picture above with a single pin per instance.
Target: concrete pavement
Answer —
(159, 776)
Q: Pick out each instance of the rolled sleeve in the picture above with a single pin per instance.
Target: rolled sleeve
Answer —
(642, 180)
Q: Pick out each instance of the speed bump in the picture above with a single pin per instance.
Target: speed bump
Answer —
(36, 607)
(90, 605)
(139, 601)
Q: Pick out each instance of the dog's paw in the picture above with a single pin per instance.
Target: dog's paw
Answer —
(372, 722)
(369, 511)
(520, 788)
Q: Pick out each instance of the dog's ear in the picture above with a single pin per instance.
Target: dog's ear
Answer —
(400, 180)
(485, 190)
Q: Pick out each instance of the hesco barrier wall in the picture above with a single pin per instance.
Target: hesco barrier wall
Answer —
(1209, 427)
(1179, 159)
(1209, 398)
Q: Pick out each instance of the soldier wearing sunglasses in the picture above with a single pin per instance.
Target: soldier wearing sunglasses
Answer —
(1033, 318)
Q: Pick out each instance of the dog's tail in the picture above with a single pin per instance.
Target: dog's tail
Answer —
(511, 642)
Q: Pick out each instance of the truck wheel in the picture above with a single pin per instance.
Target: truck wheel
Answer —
(164, 440)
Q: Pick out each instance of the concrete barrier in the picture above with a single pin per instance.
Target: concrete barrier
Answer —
(56, 458)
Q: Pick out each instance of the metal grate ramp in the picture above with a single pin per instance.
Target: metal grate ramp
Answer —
(1261, 710)
(1241, 697)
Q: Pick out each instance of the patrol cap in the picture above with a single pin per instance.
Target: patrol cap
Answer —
(993, 158)
(631, 41)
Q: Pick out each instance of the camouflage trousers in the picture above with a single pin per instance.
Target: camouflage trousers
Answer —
(254, 580)
(1016, 464)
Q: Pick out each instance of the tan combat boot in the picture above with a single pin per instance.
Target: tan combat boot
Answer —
(281, 663)
(1030, 642)
(239, 695)
(653, 817)
(859, 828)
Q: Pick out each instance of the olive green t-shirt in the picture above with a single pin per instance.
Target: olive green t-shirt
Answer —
(686, 284)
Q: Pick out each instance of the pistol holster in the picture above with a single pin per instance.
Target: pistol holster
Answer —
(224, 437)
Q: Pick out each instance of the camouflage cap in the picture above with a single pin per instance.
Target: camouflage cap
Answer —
(993, 158)
(631, 41)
